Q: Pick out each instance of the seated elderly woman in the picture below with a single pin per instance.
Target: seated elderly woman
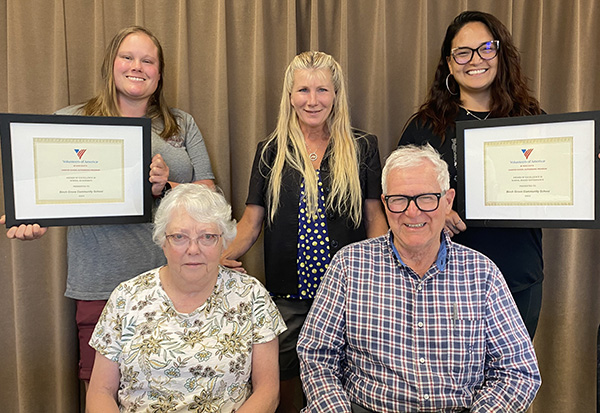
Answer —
(191, 335)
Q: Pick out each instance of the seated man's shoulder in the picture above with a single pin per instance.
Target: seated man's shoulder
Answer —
(369, 244)
(470, 257)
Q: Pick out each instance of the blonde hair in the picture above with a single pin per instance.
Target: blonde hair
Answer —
(105, 103)
(345, 196)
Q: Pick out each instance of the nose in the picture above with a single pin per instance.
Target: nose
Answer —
(136, 64)
(312, 98)
(194, 247)
(476, 58)
(412, 210)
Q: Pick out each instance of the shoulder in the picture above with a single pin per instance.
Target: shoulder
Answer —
(363, 137)
(182, 118)
(474, 262)
(370, 247)
(178, 113)
(366, 142)
(416, 132)
(236, 280)
(70, 110)
(138, 284)
(266, 150)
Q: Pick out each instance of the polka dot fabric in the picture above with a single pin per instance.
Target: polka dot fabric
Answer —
(313, 246)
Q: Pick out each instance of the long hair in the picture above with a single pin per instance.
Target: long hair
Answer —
(510, 95)
(105, 103)
(345, 197)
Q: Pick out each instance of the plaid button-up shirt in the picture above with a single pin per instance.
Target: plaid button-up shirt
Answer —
(382, 337)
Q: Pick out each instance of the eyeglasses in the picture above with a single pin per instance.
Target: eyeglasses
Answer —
(424, 202)
(183, 241)
(486, 50)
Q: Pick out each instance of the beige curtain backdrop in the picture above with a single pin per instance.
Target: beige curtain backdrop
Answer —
(225, 63)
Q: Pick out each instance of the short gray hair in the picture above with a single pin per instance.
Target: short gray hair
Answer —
(202, 203)
(412, 155)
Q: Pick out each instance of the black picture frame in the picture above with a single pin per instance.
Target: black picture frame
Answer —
(560, 198)
(37, 162)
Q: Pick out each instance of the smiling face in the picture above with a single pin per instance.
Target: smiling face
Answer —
(417, 233)
(136, 68)
(312, 97)
(196, 262)
(478, 75)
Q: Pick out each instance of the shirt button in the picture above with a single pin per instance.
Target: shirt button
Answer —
(422, 360)
(334, 243)
(426, 396)
(419, 287)
(420, 324)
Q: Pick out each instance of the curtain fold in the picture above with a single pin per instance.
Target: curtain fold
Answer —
(225, 61)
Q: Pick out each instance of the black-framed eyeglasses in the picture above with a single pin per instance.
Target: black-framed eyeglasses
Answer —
(486, 50)
(424, 202)
(183, 241)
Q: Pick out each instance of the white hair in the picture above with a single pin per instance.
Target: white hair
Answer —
(410, 156)
(202, 203)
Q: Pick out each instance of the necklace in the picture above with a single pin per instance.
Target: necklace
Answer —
(312, 155)
(475, 116)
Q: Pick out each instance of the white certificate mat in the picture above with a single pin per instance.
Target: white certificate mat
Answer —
(535, 171)
(66, 170)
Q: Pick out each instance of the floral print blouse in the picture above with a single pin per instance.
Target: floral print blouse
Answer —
(198, 362)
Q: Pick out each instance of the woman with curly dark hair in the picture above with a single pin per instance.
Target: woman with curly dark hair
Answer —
(478, 77)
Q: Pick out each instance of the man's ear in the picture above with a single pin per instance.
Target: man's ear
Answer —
(450, 194)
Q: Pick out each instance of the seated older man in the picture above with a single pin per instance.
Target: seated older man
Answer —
(411, 321)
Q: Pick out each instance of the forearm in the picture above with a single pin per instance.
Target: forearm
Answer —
(504, 397)
(512, 377)
(324, 391)
(375, 221)
(263, 401)
(101, 402)
(321, 344)
(248, 230)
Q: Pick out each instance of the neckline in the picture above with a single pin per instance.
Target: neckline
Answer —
(476, 115)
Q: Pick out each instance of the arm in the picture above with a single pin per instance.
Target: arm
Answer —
(321, 345)
(104, 384)
(24, 232)
(248, 230)
(375, 221)
(265, 379)
(373, 214)
(512, 378)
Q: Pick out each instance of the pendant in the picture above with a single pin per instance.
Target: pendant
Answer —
(313, 156)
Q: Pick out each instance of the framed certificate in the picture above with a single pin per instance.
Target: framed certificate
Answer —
(530, 171)
(75, 170)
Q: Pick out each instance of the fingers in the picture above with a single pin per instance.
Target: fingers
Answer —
(454, 224)
(233, 264)
(159, 174)
(456, 227)
(159, 171)
(26, 232)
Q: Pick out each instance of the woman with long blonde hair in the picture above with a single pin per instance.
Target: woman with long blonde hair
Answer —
(316, 186)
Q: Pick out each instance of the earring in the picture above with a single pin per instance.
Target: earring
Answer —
(448, 86)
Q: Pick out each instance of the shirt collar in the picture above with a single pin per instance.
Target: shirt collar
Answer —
(442, 256)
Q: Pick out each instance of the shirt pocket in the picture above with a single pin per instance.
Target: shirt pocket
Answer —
(466, 351)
